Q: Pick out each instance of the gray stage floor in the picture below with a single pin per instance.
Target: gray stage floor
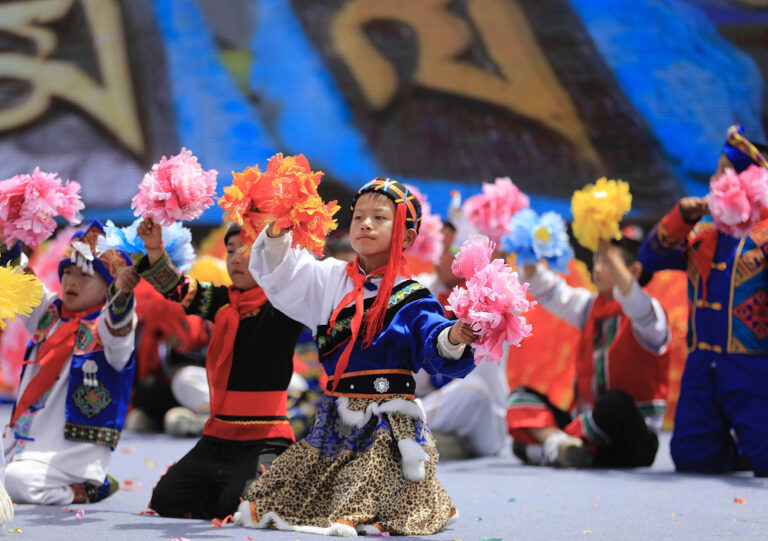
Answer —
(497, 498)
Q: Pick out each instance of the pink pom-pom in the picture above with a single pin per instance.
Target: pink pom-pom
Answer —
(472, 256)
(176, 189)
(491, 301)
(29, 203)
(735, 200)
(429, 243)
(45, 260)
(490, 211)
(13, 345)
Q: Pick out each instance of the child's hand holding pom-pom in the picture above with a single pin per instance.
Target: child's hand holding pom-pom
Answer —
(597, 210)
(175, 189)
(491, 301)
(29, 203)
(284, 195)
(175, 239)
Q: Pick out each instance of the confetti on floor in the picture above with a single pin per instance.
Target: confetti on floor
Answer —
(218, 523)
(129, 450)
(739, 500)
(149, 462)
(512, 500)
(15, 530)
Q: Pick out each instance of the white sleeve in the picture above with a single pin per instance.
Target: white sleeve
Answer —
(32, 320)
(296, 283)
(649, 322)
(553, 293)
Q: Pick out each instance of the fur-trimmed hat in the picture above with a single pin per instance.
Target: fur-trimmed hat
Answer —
(398, 193)
(83, 244)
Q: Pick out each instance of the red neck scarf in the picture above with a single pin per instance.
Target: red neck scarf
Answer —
(704, 255)
(222, 346)
(51, 356)
(602, 309)
(375, 318)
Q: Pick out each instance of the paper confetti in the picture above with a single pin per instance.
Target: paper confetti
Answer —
(80, 514)
(596, 506)
(218, 523)
(129, 450)
(150, 463)
(586, 531)
(478, 517)
(15, 530)
(181, 539)
(489, 539)
(512, 500)
(739, 500)
(148, 512)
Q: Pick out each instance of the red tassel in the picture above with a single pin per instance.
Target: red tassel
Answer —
(374, 319)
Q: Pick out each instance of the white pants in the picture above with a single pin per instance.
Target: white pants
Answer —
(474, 408)
(30, 481)
(189, 386)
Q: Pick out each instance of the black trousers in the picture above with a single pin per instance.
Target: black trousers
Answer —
(632, 443)
(210, 479)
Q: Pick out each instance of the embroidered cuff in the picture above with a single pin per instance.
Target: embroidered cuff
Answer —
(120, 307)
(673, 230)
(163, 276)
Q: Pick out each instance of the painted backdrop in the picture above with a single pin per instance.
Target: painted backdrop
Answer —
(439, 93)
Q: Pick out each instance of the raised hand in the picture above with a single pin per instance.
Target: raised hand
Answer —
(151, 233)
(461, 333)
(693, 209)
(127, 280)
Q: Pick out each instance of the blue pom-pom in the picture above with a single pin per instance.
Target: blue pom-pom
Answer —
(177, 241)
(533, 238)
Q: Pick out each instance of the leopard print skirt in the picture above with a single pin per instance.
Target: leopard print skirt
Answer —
(365, 463)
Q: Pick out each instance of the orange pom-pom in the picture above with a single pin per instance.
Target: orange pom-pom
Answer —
(286, 194)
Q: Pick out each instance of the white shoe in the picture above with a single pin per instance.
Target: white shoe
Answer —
(183, 422)
(565, 451)
(137, 420)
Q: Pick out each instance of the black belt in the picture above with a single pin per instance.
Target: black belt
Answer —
(373, 384)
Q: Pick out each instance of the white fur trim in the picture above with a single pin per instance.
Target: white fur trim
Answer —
(338, 530)
(413, 459)
(368, 529)
(359, 419)
(244, 517)
(453, 519)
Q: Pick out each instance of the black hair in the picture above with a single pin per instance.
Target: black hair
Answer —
(630, 250)
(234, 229)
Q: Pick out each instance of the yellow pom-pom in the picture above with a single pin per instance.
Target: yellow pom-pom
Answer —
(19, 294)
(210, 269)
(597, 210)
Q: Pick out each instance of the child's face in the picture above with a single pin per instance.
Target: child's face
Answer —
(601, 276)
(443, 268)
(372, 223)
(79, 291)
(237, 264)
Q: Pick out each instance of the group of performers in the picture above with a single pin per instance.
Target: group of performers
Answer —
(399, 381)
